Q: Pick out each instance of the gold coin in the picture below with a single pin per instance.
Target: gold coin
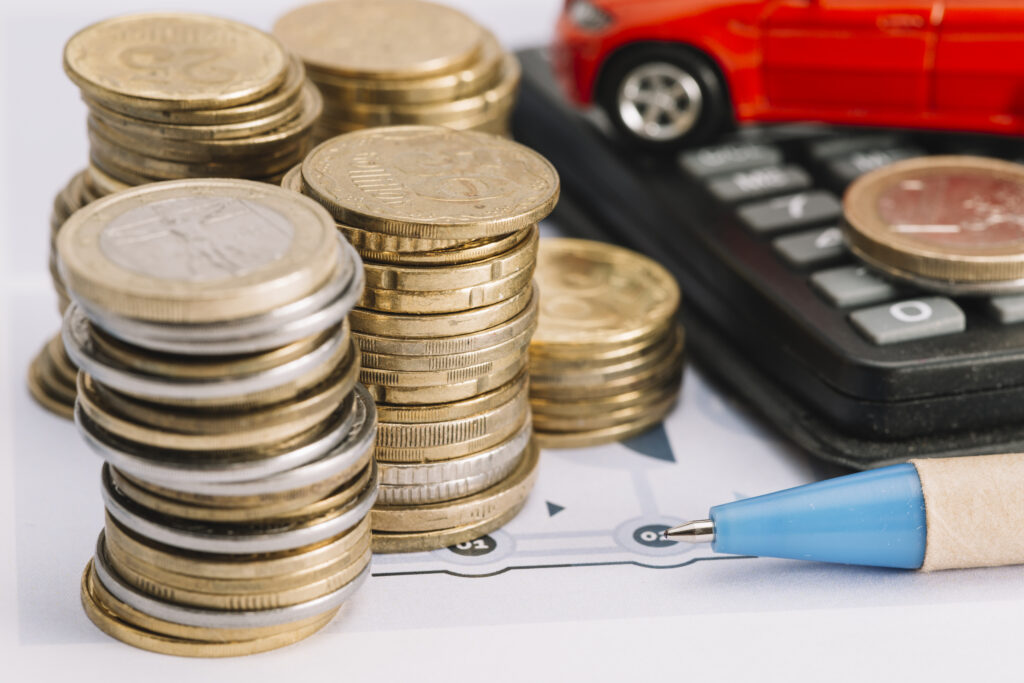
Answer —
(665, 364)
(499, 419)
(453, 450)
(174, 61)
(439, 324)
(270, 597)
(457, 344)
(199, 430)
(497, 374)
(238, 249)
(236, 567)
(103, 183)
(517, 345)
(596, 294)
(486, 504)
(384, 542)
(603, 376)
(282, 97)
(435, 279)
(497, 98)
(208, 367)
(126, 563)
(946, 218)
(43, 394)
(64, 368)
(211, 131)
(475, 77)
(433, 183)
(308, 501)
(302, 385)
(125, 163)
(382, 40)
(446, 301)
(582, 357)
(395, 415)
(128, 625)
(258, 148)
(437, 378)
(461, 253)
(588, 407)
(604, 435)
(655, 403)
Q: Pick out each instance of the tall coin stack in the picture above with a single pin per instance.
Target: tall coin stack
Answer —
(606, 361)
(177, 96)
(446, 224)
(218, 383)
(395, 62)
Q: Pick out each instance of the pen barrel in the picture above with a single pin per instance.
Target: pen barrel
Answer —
(871, 518)
(975, 510)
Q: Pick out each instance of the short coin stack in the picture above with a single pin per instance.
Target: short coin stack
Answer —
(218, 383)
(446, 224)
(178, 96)
(394, 62)
(606, 361)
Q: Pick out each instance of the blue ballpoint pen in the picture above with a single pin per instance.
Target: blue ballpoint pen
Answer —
(926, 514)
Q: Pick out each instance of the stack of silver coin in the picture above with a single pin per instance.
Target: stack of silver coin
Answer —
(218, 382)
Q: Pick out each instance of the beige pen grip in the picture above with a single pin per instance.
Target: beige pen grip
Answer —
(974, 507)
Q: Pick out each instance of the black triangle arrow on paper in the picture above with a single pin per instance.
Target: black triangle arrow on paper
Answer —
(652, 443)
(553, 509)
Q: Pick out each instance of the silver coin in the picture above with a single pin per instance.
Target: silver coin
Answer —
(425, 494)
(88, 356)
(234, 539)
(948, 287)
(501, 457)
(304, 318)
(356, 446)
(209, 618)
(175, 470)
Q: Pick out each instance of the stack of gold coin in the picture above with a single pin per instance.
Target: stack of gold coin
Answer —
(606, 361)
(446, 223)
(177, 96)
(397, 62)
(218, 382)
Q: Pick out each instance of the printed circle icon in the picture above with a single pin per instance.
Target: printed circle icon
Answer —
(650, 535)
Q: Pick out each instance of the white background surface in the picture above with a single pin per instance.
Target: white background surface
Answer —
(755, 619)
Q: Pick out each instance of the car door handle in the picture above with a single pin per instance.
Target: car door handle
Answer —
(892, 22)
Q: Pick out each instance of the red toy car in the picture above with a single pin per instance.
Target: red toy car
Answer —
(674, 72)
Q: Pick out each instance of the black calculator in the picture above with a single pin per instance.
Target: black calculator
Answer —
(855, 368)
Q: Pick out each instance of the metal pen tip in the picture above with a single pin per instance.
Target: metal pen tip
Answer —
(697, 531)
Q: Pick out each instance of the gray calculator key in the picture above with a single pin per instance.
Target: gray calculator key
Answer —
(848, 168)
(1007, 309)
(791, 211)
(829, 148)
(759, 182)
(709, 161)
(910, 320)
(848, 286)
(811, 248)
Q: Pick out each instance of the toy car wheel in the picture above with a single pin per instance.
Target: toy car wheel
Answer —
(663, 97)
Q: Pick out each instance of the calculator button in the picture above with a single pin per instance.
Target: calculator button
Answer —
(844, 170)
(811, 248)
(841, 146)
(759, 182)
(726, 158)
(1007, 309)
(848, 286)
(791, 211)
(909, 320)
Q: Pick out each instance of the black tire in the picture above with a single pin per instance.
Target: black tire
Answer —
(714, 112)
